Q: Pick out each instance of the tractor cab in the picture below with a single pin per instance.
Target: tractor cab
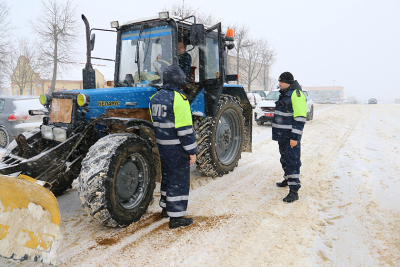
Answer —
(145, 48)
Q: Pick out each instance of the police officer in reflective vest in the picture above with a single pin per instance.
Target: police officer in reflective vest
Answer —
(176, 141)
(287, 128)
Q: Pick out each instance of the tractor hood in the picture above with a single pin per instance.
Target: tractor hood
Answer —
(104, 99)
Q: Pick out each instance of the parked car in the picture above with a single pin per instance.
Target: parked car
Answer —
(264, 111)
(261, 93)
(372, 101)
(324, 101)
(15, 119)
(254, 98)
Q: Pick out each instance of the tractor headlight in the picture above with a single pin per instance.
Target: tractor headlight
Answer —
(114, 24)
(163, 15)
(45, 99)
(53, 133)
(83, 100)
(47, 132)
(59, 134)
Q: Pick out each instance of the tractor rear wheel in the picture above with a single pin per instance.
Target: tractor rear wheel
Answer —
(117, 179)
(220, 139)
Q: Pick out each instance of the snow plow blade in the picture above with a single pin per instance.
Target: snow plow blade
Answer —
(29, 220)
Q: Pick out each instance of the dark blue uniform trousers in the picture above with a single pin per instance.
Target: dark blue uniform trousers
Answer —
(290, 160)
(175, 183)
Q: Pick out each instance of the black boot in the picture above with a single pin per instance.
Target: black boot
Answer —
(291, 197)
(175, 222)
(164, 213)
(282, 184)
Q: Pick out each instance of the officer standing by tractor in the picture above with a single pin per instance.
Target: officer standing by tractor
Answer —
(176, 141)
(287, 128)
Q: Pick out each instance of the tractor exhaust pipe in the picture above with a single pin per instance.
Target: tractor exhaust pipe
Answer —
(88, 74)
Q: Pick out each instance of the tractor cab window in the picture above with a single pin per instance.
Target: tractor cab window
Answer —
(212, 56)
(148, 50)
(194, 53)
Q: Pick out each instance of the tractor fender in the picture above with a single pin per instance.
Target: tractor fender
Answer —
(142, 128)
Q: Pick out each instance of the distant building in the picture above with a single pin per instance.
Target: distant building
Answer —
(71, 84)
(26, 82)
(397, 101)
(326, 94)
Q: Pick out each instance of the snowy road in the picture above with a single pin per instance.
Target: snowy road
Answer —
(348, 213)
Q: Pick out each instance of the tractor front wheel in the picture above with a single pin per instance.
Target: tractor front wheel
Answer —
(117, 179)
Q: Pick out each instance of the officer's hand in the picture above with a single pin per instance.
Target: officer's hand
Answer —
(293, 143)
(192, 159)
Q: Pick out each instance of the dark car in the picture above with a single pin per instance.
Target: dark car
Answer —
(14, 117)
(372, 101)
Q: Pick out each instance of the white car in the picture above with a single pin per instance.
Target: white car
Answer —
(264, 111)
(263, 94)
(254, 98)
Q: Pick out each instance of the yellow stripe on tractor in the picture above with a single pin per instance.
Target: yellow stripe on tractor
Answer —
(29, 220)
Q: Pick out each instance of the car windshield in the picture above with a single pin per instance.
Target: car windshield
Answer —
(261, 93)
(151, 48)
(274, 95)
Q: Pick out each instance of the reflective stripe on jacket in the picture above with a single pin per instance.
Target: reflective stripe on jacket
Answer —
(172, 120)
(290, 114)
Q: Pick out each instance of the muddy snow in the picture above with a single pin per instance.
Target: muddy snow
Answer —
(348, 213)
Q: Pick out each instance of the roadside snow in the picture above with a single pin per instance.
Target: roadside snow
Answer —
(347, 214)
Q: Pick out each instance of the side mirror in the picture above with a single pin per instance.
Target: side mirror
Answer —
(129, 79)
(92, 39)
(197, 34)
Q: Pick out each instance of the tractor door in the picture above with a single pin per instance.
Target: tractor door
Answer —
(211, 68)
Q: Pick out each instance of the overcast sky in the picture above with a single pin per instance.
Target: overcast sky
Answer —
(351, 43)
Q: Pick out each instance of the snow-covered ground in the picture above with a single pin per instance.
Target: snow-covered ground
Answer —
(348, 213)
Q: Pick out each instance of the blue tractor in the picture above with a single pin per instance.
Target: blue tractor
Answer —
(104, 136)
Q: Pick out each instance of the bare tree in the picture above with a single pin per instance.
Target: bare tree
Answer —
(180, 10)
(250, 62)
(241, 33)
(5, 28)
(183, 11)
(23, 66)
(57, 30)
(268, 58)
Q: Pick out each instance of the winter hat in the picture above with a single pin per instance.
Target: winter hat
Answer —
(174, 76)
(286, 77)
